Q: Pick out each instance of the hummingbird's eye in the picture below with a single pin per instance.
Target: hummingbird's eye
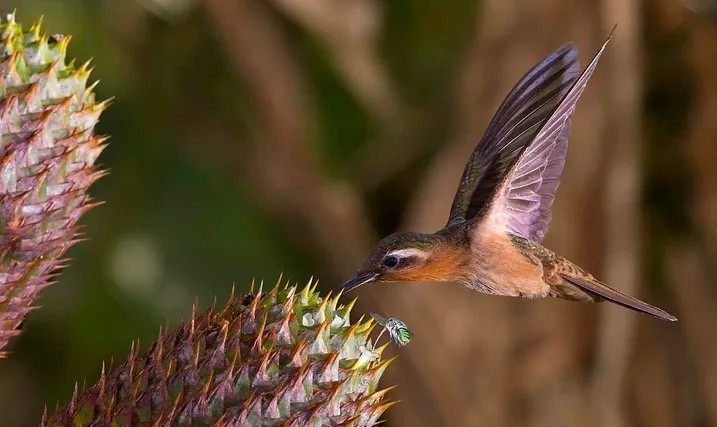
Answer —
(390, 262)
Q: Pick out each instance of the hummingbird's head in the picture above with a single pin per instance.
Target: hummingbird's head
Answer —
(408, 256)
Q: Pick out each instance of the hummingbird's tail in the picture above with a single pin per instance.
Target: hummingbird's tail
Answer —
(594, 287)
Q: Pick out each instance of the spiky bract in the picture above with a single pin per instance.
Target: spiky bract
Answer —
(47, 153)
(282, 358)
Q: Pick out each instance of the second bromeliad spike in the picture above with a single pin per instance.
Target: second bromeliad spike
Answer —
(501, 211)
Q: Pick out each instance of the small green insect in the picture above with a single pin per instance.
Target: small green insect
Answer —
(397, 330)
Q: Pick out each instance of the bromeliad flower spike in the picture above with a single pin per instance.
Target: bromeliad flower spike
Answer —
(284, 357)
(48, 150)
(501, 211)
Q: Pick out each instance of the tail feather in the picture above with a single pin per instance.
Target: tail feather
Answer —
(601, 290)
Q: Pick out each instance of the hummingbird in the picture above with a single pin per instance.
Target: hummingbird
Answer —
(501, 210)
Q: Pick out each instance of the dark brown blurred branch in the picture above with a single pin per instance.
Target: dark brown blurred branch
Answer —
(691, 266)
(688, 278)
(349, 30)
(703, 123)
(398, 146)
(622, 204)
(291, 181)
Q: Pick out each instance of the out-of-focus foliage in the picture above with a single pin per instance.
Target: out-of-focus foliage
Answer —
(254, 137)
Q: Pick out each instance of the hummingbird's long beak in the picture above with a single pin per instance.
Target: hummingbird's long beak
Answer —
(356, 281)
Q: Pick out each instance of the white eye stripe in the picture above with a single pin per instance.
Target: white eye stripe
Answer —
(407, 253)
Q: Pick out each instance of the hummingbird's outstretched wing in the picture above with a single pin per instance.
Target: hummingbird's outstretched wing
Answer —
(515, 125)
(522, 199)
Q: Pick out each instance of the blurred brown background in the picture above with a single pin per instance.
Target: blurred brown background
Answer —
(254, 137)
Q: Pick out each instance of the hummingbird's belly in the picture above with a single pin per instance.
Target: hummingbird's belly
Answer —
(501, 269)
(508, 283)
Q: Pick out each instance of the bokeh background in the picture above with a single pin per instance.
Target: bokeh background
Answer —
(253, 137)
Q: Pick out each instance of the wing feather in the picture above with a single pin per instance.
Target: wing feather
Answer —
(513, 127)
(534, 174)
